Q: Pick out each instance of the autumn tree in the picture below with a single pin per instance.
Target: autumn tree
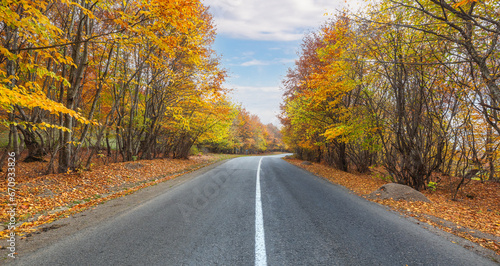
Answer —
(473, 29)
(30, 43)
(322, 98)
(301, 130)
(274, 138)
(143, 72)
(403, 84)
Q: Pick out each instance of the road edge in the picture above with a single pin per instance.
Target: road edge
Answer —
(469, 245)
(51, 233)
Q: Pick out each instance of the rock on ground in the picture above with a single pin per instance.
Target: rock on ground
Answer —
(397, 192)
(133, 166)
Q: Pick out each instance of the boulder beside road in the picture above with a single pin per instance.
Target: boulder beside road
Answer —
(397, 192)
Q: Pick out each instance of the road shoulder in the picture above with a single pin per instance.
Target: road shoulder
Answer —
(327, 174)
(51, 233)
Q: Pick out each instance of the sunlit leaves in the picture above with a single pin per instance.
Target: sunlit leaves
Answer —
(323, 88)
(414, 81)
(143, 68)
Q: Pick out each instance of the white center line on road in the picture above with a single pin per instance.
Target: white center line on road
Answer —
(260, 242)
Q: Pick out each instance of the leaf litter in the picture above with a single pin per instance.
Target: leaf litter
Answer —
(41, 199)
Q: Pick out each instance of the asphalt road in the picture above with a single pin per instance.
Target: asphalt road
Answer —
(237, 215)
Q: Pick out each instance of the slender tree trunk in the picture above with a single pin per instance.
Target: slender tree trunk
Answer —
(12, 35)
(75, 78)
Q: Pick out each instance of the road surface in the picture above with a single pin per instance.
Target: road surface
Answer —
(255, 211)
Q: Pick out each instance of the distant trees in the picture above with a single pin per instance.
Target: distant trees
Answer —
(246, 135)
(410, 85)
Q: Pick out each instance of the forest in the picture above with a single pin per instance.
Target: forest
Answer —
(412, 86)
(126, 80)
(102, 98)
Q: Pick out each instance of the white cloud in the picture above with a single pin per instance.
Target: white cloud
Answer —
(261, 101)
(248, 53)
(249, 89)
(286, 61)
(282, 20)
(255, 62)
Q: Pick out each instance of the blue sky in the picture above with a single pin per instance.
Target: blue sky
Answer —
(258, 41)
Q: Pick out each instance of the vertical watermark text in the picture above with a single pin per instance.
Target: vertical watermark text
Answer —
(11, 206)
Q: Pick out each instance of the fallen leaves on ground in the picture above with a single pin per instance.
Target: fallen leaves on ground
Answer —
(43, 199)
(476, 208)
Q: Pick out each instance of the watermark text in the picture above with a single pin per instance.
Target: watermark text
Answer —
(11, 205)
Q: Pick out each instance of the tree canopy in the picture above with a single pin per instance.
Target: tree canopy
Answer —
(126, 79)
(409, 85)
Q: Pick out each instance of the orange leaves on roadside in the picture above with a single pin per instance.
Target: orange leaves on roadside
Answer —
(361, 184)
(41, 200)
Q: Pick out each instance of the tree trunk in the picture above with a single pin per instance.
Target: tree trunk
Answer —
(36, 152)
(75, 78)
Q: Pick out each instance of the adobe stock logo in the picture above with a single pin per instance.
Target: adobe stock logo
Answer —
(202, 195)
